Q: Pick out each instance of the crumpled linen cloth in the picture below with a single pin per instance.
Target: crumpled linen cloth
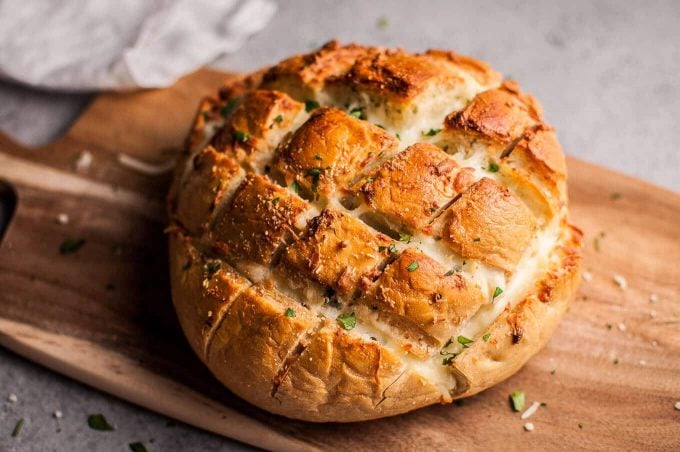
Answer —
(86, 45)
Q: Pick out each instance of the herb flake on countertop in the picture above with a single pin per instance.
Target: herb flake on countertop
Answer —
(464, 341)
(137, 447)
(517, 400)
(99, 422)
(413, 266)
(17, 428)
(311, 105)
(71, 245)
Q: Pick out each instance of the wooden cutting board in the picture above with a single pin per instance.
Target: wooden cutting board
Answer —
(610, 376)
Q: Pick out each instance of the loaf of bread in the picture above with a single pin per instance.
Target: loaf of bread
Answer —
(359, 232)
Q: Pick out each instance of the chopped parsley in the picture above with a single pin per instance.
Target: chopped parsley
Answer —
(315, 172)
(311, 105)
(317, 157)
(370, 179)
(477, 239)
(98, 422)
(211, 267)
(296, 187)
(228, 108)
(392, 249)
(71, 245)
(276, 200)
(137, 447)
(464, 341)
(493, 167)
(398, 137)
(497, 293)
(17, 427)
(450, 272)
(241, 136)
(279, 118)
(404, 238)
(517, 400)
(382, 23)
(358, 113)
(413, 267)
(432, 132)
(290, 312)
(347, 321)
(616, 195)
(449, 359)
(486, 337)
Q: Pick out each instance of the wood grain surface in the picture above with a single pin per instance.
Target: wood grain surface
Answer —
(610, 376)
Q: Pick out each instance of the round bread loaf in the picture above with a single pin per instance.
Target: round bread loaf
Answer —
(358, 232)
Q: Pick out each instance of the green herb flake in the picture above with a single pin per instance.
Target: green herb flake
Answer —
(317, 157)
(290, 312)
(616, 196)
(241, 136)
(206, 115)
(497, 293)
(493, 167)
(449, 342)
(296, 187)
(448, 360)
(211, 267)
(279, 118)
(398, 137)
(616, 360)
(486, 337)
(311, 105)
(392, 249)
(464, 341)
(370, 179)
(98, 422)
(137, 447)
(17, 427)
(413, 267)
(517, 400)
(404, 238)
(314, 172)
(71, 245)
(432, 132)
(276, 200)
(347, 321)
(228, 108)
(450, 272)
(358, 113)
(477, 239)
(382, 23)
(580, 425)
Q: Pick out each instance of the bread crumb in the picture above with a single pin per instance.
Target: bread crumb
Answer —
(531, 410)
(529, 427)
(654, 343)
(643, 362)
(83, 161)
(62, 218)
(652, 314)
(620, 281)
(58, 414)
(653, 298)
(677, 405)
(12, 398)
(622, 326)
(587, 276)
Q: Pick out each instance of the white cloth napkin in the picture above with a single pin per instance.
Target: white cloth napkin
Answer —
(84, 45)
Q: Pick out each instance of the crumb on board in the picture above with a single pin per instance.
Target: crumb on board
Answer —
(58, 414)
(643, 362)
(653, 298)
(83, 161)
(622, 327)
(531, 410)
(587, 276)
(677, 405)
(620, 281)
(529, 427)
(12, 398)
(62, 218)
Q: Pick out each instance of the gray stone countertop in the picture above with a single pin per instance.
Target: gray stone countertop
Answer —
(606, 72)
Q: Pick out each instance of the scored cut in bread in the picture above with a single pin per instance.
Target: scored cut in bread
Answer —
(359, 232)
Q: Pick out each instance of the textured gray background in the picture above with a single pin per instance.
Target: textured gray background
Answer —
(607, 73)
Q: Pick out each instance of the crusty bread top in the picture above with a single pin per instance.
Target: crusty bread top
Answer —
(415, 198)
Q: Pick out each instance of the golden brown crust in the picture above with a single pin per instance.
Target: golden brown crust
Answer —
(281, 279)
(330, 150)
(212, 177)
(413, 187)
(421, 290)
(338, 251)
(520, 332)
(489, 223)
(257, 221)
